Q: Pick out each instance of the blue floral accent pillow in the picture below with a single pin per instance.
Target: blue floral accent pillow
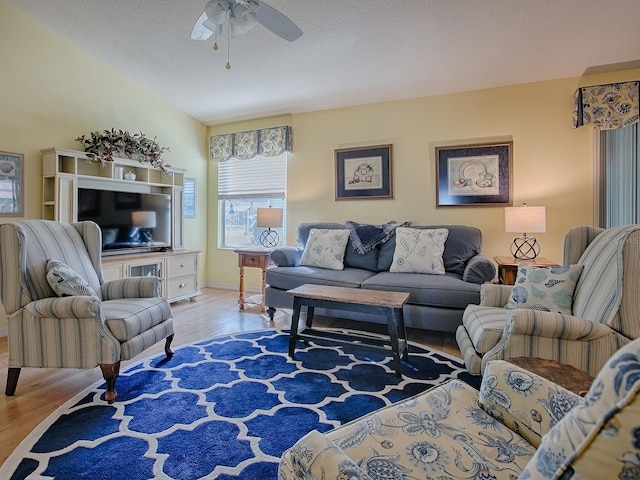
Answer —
(64, 281)
(419, 251)
(549, 289)
(325, 248)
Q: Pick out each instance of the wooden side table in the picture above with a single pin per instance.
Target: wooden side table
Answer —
(258, 258)
(567, 376)
(508, 267)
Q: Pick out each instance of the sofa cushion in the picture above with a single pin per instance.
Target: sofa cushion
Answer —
(353, 259)
(549, 289)
(325, 248)
(419, 250)
(127, 319)
(286, 278)
(463, 243)
(448, 291)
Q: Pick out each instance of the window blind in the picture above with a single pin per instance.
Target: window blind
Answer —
(257, 177)
(621, 176)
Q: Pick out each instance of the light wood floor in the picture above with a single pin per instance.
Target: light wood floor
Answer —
(40, 391)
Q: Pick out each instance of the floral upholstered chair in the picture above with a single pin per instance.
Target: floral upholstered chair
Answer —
(518, 425)
(60, 312)
(584, 328)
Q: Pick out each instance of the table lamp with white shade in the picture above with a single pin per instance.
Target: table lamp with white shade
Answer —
(269, 218)
(525, 220)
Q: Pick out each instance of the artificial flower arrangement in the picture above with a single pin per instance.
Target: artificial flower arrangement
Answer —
(103, 145)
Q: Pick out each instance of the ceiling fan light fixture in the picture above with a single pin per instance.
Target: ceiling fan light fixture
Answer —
(236, 28)
(246, 18)
(217, 11)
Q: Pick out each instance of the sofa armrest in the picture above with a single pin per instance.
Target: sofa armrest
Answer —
(494, 295)
(525, 402)
(536, 323)
(286, 256)
(315, 456)
(133, 287)
(479, 269)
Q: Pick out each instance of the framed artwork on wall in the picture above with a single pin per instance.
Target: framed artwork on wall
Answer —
(474, 175)
(364, 172)
(189, 197)
(11, 184)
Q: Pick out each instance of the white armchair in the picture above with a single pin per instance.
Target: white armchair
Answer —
(122, 319)
(605, 311)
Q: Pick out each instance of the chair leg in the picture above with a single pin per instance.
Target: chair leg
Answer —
(12, 381)
(167, 346)
(110, 372)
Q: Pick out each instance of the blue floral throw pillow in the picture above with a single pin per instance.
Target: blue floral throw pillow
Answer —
(325, 248)
(549, 289)
(419, 250)
(64, 281)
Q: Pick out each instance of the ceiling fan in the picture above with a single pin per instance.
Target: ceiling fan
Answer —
(241, 16)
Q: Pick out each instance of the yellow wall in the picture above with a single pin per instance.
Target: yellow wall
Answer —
(552, 162)
(51, 92)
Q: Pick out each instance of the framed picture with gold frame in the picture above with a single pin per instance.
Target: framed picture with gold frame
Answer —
(474, 175)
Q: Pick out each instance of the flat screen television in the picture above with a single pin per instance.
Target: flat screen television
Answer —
(130, 221)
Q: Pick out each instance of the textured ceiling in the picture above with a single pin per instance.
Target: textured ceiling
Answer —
(352, 51)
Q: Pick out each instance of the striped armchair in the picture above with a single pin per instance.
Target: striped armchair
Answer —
(605, 312)
(122, 319)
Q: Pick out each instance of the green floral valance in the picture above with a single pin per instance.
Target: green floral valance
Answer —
(268, 142)
(606, 107)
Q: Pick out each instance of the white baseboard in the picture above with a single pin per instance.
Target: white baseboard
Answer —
(226, 286)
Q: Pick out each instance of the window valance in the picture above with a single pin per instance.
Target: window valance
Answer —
(606, 107)
(268, 142)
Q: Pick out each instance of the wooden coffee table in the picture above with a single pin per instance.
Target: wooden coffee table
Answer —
(352, 299)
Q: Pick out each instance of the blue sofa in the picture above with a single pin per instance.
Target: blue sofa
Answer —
(436, 302)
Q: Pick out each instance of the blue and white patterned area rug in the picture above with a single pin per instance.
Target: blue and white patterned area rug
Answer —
(225, 408)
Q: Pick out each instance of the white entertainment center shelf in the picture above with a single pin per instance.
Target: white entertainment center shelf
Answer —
(64, 171)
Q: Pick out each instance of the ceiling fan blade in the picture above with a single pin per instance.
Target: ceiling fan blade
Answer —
(199, 31)
(277, 22)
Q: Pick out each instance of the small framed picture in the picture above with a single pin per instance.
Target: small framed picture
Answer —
(189, 197)
(364, 172)
(474, 175)
(11, 184)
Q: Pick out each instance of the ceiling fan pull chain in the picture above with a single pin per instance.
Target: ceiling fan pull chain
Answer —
(228, 42)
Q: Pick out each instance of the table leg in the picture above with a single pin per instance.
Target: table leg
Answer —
(295, 319)
(392, 326)
(241, 288)
(402, 333)
(310, 312)
(264, 286)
